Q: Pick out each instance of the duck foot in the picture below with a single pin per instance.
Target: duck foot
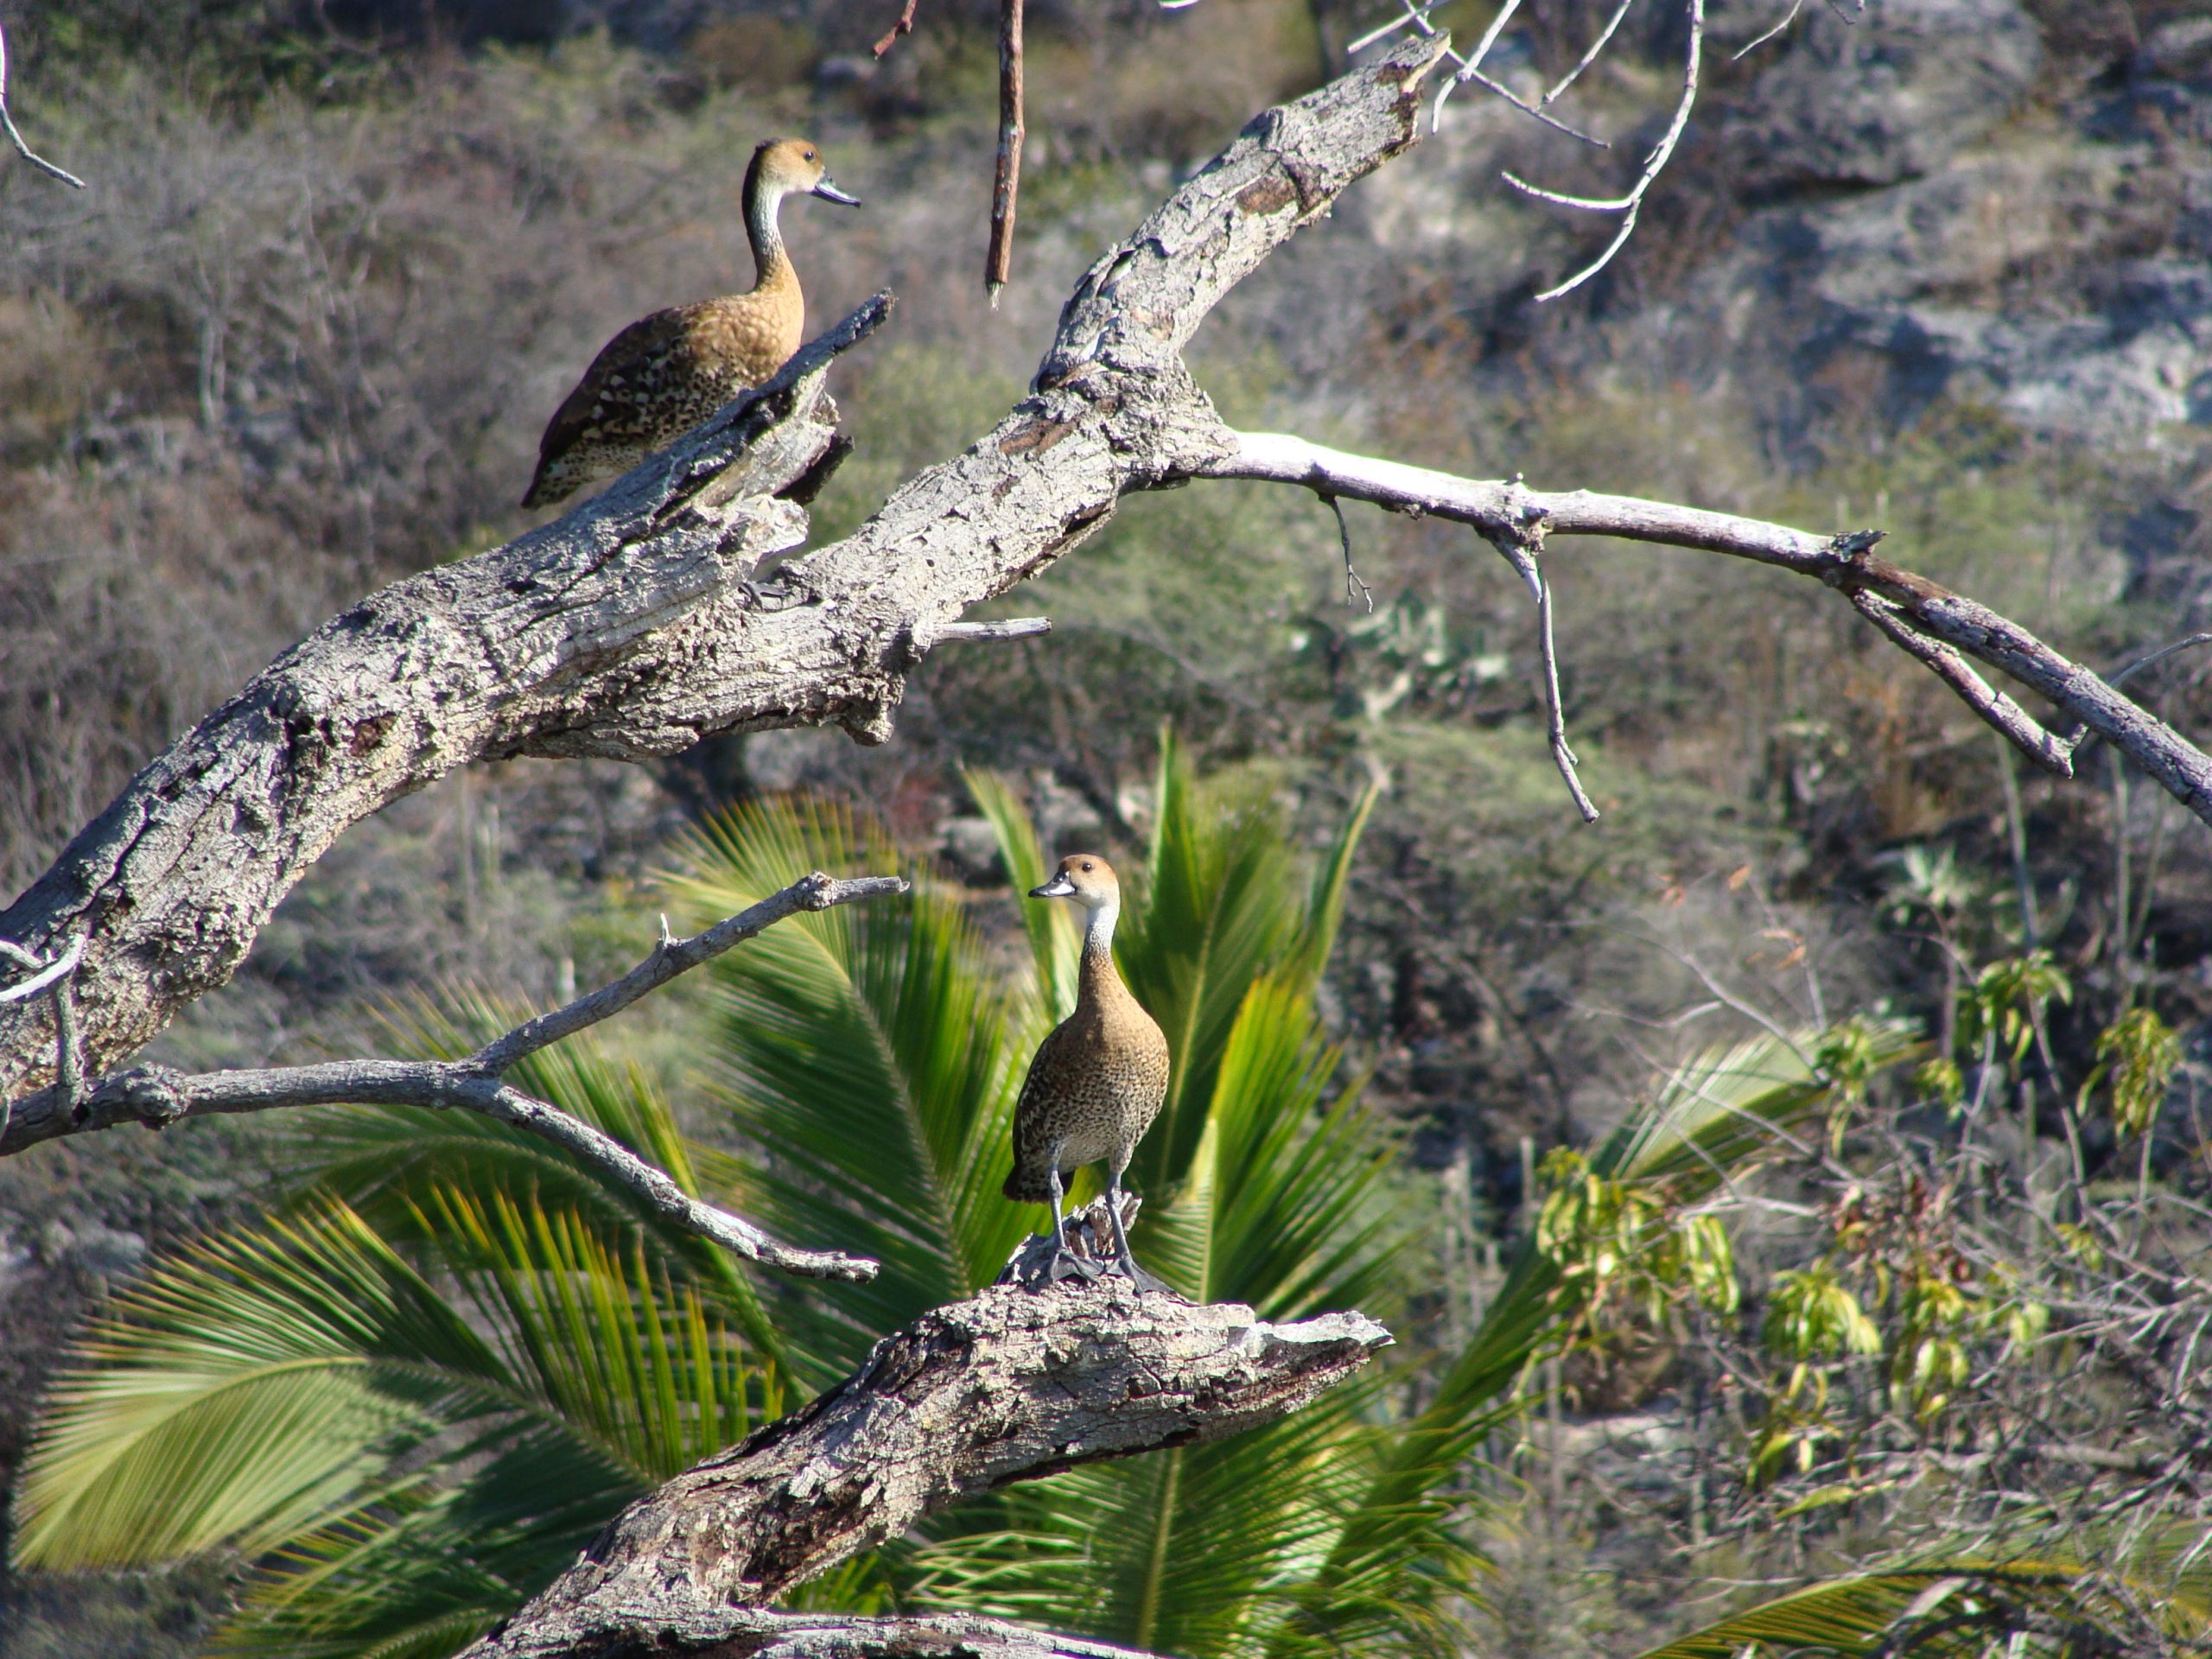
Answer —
(1084, 1253)
(1067, 1265)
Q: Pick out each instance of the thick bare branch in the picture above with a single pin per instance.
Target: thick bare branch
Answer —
(629, 627)
(159, 1096)
(1506, 512)
(1008, 1386)
(2025, 732)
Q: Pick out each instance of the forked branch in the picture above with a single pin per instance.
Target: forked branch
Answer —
(1936, 625)
(158, 1096)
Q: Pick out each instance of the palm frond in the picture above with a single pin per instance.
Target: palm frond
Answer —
(385, 1162)
(1949, 1609)
(873, 1059)
(244, 1391)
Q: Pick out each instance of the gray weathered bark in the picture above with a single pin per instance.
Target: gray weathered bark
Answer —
(628, 629)
(1009, 1385)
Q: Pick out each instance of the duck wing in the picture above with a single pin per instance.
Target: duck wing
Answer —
(613, 402)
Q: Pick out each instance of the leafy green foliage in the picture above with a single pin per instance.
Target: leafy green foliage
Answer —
(2008, 997)
(2136, 1057)
(412, 1394)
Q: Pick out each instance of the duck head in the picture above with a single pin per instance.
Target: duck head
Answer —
(792, 167)
(1087, 878)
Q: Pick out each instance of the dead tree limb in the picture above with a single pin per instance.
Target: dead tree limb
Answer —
(630, 628)
(1936, 626)
(1007, 1386)
(159, 1096)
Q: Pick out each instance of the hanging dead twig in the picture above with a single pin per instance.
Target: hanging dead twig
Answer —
(903, 26)
(1009, 181)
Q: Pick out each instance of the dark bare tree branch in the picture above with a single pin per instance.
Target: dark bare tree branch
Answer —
(1007, 1386)
(158, 1096)
(1005, 182)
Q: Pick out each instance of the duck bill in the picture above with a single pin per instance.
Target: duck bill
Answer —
(1058, 887)
(830, 192)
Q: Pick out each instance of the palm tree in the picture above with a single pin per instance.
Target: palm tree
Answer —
(414, 1392)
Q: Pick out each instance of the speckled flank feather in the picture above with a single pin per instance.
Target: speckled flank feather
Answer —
(1095, 1086)
(665, 373)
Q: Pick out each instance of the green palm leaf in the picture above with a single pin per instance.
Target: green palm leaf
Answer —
(1055, 937)
(1948, 1608)
(407, 1461)
(873, 1059)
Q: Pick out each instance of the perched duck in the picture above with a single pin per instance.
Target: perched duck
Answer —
(1098, 1080)
(665, 373)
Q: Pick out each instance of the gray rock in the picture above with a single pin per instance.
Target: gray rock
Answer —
(1889, 93)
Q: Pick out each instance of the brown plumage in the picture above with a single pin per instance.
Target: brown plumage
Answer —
(1097, 1081)
(665, 373)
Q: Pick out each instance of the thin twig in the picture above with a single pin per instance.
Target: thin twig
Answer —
(1630, 205)
(1417, 17)
(903, 26)
(673, 957)
(1787, 18)
(1522, 557)
(1470, 65)
(2020, 728)
(7, 125)
(1535, 110)
(1352, 576)
(61, 967)
(1007, 185)
(1590, 56)
(2135, 668)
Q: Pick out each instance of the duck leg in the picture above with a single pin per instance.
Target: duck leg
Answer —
(1137, 1275)
(1065, 1264)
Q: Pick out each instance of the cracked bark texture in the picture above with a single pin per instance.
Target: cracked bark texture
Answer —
(626, 629)
(1007, 1386)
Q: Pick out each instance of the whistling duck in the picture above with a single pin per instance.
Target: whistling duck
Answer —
(665, 373)
(1098, 1080)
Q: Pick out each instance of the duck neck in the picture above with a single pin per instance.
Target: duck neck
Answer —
(771, 265)
(1100, 977)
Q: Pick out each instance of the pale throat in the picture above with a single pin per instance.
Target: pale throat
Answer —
(1098, 932)
(767, 241)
